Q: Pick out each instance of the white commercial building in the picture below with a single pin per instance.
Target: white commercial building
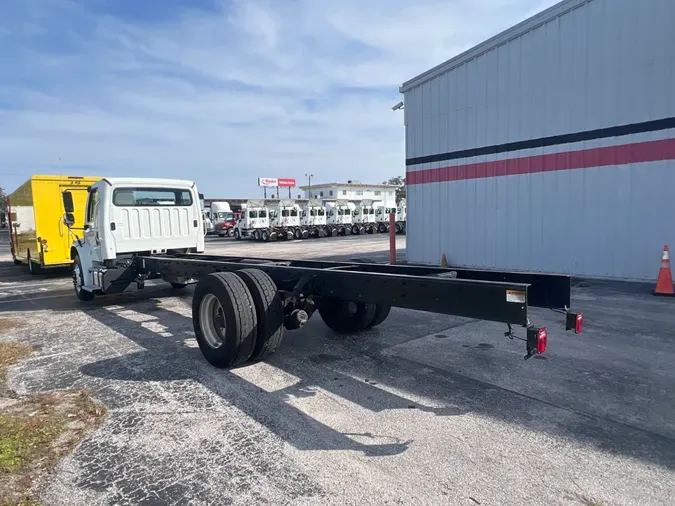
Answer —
(352, 190)
(551, 146)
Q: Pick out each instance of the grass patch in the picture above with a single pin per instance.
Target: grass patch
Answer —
(9, 324)
(36, 431)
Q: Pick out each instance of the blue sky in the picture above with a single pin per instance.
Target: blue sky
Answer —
(222, 92)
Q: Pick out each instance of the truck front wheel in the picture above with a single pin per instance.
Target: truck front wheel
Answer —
(344, 316)
(224, 319)
(78, 282)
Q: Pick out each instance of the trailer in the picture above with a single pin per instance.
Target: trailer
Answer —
(37, 235)
(241, 307)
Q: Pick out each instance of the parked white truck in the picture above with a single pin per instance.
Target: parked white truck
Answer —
(382, 218)
(285, 220)
(364, 218)
(140, 229)
(129, 216)
(339, 218)
(313, 218)
(254, 222)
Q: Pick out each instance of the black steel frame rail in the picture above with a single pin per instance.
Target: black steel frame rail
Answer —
(480, 294)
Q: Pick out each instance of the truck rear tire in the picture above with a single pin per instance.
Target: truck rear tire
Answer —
(269, 312)
(224, 319)
(265, 235)
(78, 282)
(355, 230)
(381, 310)
(256, 235)
(297, 233)
(33, 268)
(346, 317)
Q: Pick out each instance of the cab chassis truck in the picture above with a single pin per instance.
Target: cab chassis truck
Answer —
(241, 307)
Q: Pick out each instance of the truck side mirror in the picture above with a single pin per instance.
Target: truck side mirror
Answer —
(68, 220)
(68, 205)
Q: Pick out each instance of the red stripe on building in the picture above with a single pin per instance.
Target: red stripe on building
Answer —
(639, 152)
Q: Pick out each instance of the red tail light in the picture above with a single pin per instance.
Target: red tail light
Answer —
(575, 321)
(536, 341)
(542, 338)
(579, 323)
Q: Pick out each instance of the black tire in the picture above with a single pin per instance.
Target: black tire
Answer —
(328, 232)
(382, 228)
(381, 310)
(178, 286)
(237, 235)
(297, 234)
(269, 312)
(398, 228)
(238, 312)
(256, 235)
(335, 315)
(355, 230)
(33, 268)
(81, 294)
(265, 236)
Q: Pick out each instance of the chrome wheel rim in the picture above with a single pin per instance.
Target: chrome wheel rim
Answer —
(212, 320)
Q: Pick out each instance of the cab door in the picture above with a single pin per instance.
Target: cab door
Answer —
(92, 225)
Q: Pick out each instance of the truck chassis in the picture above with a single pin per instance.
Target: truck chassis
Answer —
(241, 306)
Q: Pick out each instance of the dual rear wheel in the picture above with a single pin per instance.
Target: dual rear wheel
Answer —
(239, 316)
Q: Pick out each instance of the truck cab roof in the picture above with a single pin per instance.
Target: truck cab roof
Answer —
(146, 181)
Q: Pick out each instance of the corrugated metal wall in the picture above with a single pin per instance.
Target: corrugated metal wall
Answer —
(596, 203)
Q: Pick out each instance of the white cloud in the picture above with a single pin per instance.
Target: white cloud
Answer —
(256, 88)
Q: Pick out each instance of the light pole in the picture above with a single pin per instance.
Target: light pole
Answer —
(309, 184)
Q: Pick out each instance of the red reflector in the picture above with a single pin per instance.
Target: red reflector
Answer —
(44, 241)
(579, 323)
(542, 337)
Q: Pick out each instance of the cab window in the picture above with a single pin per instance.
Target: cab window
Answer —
(262, 214)
(253, 214)
(92, 206)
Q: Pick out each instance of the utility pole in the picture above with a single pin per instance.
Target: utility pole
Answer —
(309, 178)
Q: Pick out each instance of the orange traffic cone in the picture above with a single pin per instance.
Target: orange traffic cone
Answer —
(664, 283)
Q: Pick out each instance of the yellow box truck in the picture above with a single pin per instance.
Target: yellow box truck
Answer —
(38, 235)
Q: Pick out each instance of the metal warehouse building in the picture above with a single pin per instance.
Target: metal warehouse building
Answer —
(550, 147)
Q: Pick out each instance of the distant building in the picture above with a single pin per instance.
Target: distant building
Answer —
(352, 190)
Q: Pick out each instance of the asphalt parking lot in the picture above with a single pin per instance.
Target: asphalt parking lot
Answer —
(424, 409)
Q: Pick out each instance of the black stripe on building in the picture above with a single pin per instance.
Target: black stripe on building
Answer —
(600, 133)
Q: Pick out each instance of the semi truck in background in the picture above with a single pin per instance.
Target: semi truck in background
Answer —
(339, 218)
(134, 230)
(223, 218)
(38, 237)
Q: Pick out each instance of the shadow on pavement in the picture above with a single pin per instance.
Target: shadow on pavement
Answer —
(302, 356)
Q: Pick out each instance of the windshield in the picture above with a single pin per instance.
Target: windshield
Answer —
(226, 216)
(137, 197)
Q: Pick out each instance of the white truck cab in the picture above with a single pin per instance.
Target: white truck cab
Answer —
(254, 217)
(313, 214)
(364, 218)
(285, 214)
(127, 216)
(339, 213)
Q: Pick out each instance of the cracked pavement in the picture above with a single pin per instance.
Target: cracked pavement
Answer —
(424, 409)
